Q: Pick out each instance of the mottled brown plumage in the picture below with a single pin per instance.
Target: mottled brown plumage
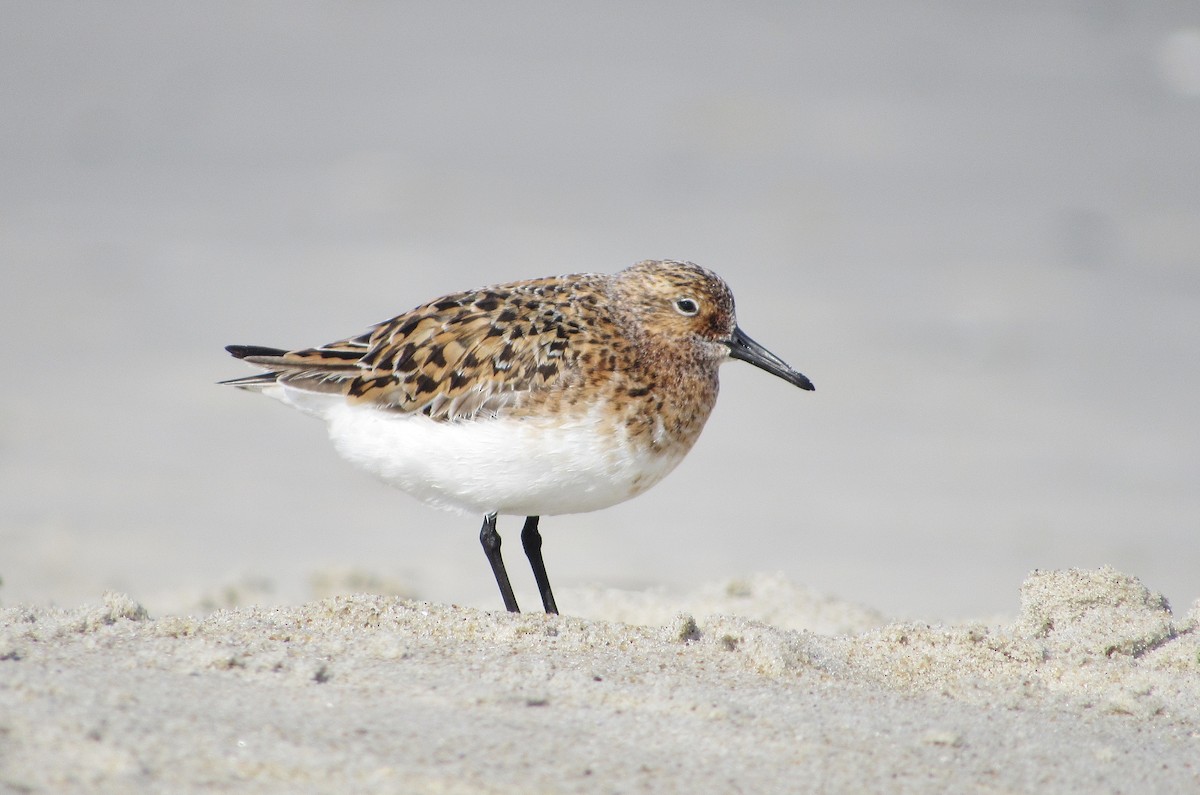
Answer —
(544, 396)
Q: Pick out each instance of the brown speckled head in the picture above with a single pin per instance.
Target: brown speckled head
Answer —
(689, 312)
(678, 297)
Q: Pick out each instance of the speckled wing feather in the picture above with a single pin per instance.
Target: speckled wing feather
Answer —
(463, 356)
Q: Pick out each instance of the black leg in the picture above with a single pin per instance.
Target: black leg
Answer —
(491, 547)
(531, 539)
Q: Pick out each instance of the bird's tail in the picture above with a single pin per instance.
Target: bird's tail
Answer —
(255, 354)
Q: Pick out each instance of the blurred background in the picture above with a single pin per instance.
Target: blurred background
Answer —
(976, 227)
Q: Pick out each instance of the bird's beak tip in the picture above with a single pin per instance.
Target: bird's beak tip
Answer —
(741, 346)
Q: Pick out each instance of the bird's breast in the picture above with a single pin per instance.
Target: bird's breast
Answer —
(581, 458)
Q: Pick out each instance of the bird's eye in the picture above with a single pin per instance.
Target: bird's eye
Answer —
(686, 306)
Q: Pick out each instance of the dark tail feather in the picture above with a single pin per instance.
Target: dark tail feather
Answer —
(318, 369)
(242, 351)
(260, 380)
(252, 381)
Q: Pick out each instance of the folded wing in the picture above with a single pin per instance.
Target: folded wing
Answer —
(465, 356)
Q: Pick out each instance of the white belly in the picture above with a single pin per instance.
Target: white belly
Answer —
(526, 467)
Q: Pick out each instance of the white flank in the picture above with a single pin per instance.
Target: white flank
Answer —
(524, 467)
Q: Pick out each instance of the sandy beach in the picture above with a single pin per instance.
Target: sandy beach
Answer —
(762, 687)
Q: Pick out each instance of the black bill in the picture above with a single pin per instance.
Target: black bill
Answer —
(746, 349)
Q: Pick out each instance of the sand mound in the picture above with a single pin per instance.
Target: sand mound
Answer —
(1094, 688)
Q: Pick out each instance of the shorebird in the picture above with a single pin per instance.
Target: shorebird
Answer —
(541, 397)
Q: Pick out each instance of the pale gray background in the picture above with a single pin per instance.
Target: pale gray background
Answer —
(975, 226)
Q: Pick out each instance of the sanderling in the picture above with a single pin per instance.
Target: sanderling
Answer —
(548, 396)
